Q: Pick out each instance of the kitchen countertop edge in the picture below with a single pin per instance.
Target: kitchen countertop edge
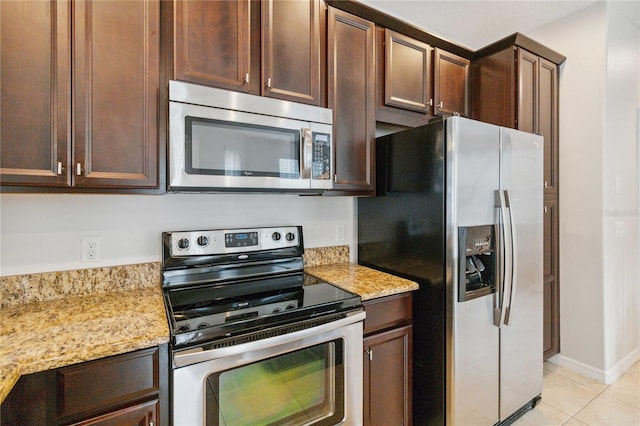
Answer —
(97, 314)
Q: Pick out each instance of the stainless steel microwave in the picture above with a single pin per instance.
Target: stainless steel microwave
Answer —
(223, 140)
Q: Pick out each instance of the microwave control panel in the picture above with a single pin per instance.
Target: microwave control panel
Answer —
(321, 157)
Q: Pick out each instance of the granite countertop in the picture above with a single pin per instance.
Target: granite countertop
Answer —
(366, 282)
(53, 320)
(43, 335)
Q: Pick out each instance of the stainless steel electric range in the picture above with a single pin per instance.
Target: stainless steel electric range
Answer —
(255, 340)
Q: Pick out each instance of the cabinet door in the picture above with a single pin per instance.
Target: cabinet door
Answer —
(145, 414)
(387, 377)
(351, 96)
(528, 91)
(407, 76)
(551, 293)
(451, 84)
(212, 43)
(116, 85)
(291, 50)
(548, 122)
(35, 87)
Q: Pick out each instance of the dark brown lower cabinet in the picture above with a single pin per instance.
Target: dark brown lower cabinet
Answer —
(388, 341)
(127, 389)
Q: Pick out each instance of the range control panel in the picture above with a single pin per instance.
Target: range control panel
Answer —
(224, 241)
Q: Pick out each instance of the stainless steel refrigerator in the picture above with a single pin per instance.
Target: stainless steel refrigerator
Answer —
(459, 210)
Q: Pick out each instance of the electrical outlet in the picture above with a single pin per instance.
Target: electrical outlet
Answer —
(339, 233)
(91, 249)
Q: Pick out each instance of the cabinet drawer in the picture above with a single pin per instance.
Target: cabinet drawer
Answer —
(106, 383)
(387, 312)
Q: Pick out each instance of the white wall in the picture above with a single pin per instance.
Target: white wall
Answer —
(599, 243)
(42, 233)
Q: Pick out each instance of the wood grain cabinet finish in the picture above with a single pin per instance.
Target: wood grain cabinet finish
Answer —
(407, 72)
(291, 33)
(87, 123)
(213, 43)
(127, 389)
(451, 84)
(518, 88)
(551, 289)
(116, 48)
(35, 88)
(270, 48)
(388, 340)
(145, 414)
(351, 95)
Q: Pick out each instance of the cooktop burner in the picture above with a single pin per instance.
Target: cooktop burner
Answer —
(240, 282)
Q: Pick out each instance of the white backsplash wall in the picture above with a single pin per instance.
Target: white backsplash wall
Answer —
(43, 233)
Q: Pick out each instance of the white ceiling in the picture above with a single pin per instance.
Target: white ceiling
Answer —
(477, 23)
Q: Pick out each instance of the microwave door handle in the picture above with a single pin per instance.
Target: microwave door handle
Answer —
(306, 153)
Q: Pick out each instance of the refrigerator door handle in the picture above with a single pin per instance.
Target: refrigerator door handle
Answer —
(504, 260)
(513, 258)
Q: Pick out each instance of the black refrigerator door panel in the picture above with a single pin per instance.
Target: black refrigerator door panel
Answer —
(401, 231)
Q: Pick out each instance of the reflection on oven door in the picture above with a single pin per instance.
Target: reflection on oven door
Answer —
(313, 380)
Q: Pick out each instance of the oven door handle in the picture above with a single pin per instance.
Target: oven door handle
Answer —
(198, 354)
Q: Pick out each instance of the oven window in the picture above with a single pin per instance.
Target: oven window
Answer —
(303, 387)
(216, 147)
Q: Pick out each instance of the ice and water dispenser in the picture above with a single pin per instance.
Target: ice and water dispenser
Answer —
(477, 262)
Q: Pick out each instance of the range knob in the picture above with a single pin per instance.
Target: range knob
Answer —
(203, 241)
(290, 236)
(184, 328)
(276, 236)
(183, 243)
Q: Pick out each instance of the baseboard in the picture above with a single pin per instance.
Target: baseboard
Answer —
(604, 376)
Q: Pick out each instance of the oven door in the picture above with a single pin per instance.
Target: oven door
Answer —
(308, 377)
(215, 148)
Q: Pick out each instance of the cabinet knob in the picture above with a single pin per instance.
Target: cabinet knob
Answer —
(430, 103)
(79, 169)
(268, 83)
(370, 353)
(246, 78)
(440, 105)
(60, 168)
(546, 184)
(546, 209)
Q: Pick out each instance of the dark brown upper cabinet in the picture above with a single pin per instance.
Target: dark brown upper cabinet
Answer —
(351, 95)
(291, 50)
(213, 43)
(450, 84)
(270, 48)
(407, 72)
(517, 88)
(404, 78)
(35, 88)
(90, 123)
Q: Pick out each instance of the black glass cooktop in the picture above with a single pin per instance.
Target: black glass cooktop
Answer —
(204, 312)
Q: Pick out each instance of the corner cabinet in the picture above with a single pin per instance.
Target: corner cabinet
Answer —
(351, 95)
(388, 341)
(269, 48)
(79, 100)
(127, 389)
(515, 84)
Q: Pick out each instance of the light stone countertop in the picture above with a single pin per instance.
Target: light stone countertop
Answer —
(48, 321)
(40, 336)
(366, 282)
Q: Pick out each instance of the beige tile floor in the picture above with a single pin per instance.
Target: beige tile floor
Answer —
(569, 399)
